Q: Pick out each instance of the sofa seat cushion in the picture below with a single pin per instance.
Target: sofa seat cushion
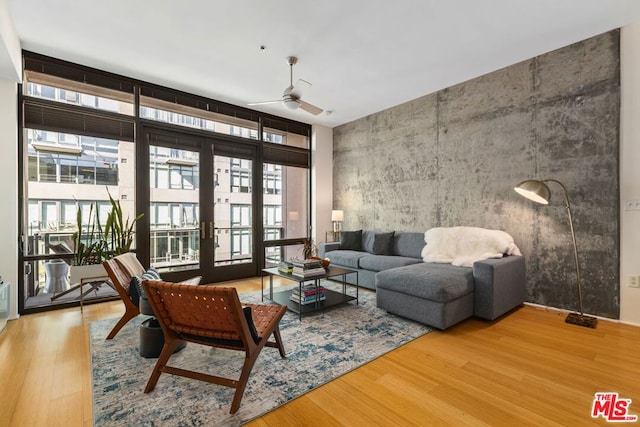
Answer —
(345, 258)
(434, 282)
(385, 262)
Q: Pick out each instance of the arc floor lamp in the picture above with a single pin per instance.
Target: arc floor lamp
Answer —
(539, 192)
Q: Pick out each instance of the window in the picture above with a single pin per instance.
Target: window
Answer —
(273, 222)
(240, 181)
(71, 159)
(173, 169)
(65, 172)
(176, 119)
(240, 176)
(241, 247)
(243, 132)
(175, 235)
(273, 137)
(285, 201)
(168, 112)
(273, 215)
(173, 215)
(79, 142)
(241, 215)
(272, 179)
(68, 92)
(285, 138)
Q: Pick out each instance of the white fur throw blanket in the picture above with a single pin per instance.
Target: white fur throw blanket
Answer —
(465, 245)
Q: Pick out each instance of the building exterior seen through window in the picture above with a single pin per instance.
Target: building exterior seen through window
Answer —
(66, 173)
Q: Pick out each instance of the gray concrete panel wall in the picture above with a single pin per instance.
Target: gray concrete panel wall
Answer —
(453, 157)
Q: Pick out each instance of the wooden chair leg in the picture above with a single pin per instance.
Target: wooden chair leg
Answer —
(169, 347)
(249, 361)
(128, 315)
(278, 338)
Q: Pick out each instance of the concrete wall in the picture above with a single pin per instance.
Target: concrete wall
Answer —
(453, 157)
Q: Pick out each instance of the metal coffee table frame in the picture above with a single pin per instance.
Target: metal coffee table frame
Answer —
(333, 298)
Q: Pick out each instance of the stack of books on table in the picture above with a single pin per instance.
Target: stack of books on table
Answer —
(308, 268)
(308, 295)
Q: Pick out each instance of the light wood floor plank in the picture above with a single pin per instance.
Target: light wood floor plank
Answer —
(527, 368)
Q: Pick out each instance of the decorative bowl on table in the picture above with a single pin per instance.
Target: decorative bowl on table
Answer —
(325, 261)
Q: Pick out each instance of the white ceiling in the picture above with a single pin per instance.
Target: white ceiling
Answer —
(361, 56)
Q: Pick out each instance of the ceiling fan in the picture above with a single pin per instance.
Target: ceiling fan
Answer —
(291, 95)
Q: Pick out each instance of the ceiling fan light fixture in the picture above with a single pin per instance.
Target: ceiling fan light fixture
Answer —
(290, 103)
(291, 97)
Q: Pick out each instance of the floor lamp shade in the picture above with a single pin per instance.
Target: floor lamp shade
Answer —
(534, 190)
(538, 191)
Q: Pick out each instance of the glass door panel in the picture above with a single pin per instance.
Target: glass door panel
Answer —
(233, 211)
(285, 211)
(174, 218)
(64, 173)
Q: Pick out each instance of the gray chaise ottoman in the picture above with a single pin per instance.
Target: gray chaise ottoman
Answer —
(442, 295)
(439, 295)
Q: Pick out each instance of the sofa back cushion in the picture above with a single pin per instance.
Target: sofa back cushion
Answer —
(407, 244)
(382, 243)
(377, 243)
(367, 240)
(351, 240)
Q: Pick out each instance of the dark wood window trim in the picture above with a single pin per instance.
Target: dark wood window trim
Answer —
(54, 116)
(45, 65)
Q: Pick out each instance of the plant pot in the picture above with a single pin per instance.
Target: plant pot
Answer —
(87, 272)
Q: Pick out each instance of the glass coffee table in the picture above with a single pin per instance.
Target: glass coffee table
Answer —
(332, 297)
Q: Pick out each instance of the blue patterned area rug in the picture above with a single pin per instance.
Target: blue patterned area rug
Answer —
(319, 348)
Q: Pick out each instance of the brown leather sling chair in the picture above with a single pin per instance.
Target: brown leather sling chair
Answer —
(213, 316)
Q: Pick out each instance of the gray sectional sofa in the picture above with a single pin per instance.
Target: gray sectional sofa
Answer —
(439, 295)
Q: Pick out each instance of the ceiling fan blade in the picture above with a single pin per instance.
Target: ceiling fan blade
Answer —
(309, 108)
(265, 102)
(297, 89)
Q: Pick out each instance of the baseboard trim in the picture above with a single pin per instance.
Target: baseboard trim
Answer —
(561, 310)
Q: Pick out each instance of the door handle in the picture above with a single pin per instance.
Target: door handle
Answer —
(211, 229)
(202, 232)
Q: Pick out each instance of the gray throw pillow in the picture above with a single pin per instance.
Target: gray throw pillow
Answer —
(351, 240)
(367, 240)
(382, 243)
(135, 287)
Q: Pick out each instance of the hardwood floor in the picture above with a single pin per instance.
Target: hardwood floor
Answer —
(527, 368)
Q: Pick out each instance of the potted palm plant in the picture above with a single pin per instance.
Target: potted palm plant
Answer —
(90, 247)
(119, 231)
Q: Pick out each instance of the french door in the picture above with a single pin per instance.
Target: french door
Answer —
(199, 203)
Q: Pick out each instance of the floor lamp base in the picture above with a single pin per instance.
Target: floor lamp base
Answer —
(582, 320)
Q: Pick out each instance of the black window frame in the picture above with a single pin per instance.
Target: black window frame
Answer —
(43, 114)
